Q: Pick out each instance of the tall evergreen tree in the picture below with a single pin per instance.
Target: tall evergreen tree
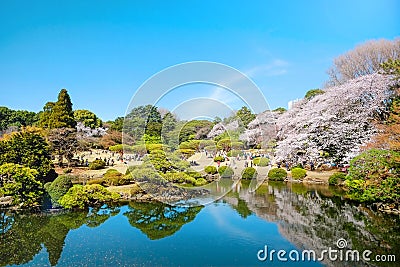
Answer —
(58, 114)
(62, 115)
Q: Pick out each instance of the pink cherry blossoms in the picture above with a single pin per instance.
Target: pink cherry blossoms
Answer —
(329, 127)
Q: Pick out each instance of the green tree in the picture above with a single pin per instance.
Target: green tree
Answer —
(313, 92)
(18, 118)
(374, 175)
(280, 110)
(81, 197)
(168, 122)
(194, 129)
(58, 114)
(21, 184)
(88, 118)
(245, 115)
(392, 67)
(158, 220)
(28, 148)
(117, 124)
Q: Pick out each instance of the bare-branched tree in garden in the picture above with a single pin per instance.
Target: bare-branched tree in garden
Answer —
(364, 59)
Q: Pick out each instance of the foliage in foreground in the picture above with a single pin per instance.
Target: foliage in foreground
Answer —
(80, 197)
(375, 176)
(28, 148)
(21, 184)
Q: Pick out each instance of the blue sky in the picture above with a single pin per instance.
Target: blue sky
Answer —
(102, 51)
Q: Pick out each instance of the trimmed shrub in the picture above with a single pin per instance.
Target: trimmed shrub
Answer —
(210, 169)
(262, 162)
(58, 187)
(190, 180)
(201, 181)
(225, 171)
(151, 147)
(97, 164)
(176, 177)
(80, 197)
(249, 173)
(194, 174)
(277, 174)
(120, 147)
(298, 173)
(219, 158)
(337, 177)
(187, 152)
(114, 177)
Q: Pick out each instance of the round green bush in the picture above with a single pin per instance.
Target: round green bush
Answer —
(114, 177)
(194, 174)
(210, 169)
(190, 180)
(59, 187)
(335, 178)
(262, 162)
(277, 174)
(201, 181)
(249, 173)
(97, 164)
(219, 158)
(298, 173)
(225, 171)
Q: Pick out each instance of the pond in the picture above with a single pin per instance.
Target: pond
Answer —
(236, 230)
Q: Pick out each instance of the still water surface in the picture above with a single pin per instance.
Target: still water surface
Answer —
(228, 232)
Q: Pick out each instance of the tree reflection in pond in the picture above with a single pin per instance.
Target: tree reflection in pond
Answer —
(315, 217)
(159, 220)
(23, 235)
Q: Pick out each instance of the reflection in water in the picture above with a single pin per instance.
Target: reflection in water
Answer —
(158, 220)
(315, 217)
(22, 235)
(309, 217)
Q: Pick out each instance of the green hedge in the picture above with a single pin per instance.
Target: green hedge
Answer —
(97, 164)
(298, 173)
(219, 158)
(225, 171)
(262, 162)
(114, 177)
(210, 169)
(249, 173)
(201, 181)
(277, 174)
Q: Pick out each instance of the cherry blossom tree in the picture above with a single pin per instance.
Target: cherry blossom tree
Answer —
(328, 127)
